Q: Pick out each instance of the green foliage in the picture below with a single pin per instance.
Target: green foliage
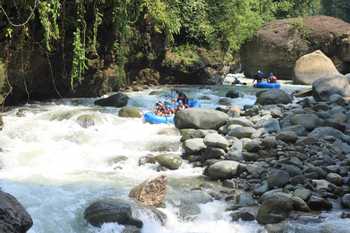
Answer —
(337, 8)
(79, 59)
(48, 14)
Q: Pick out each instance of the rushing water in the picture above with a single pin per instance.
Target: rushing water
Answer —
(55, 167)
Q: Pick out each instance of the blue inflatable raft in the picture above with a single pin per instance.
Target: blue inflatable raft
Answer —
(268, 85)
(152, 118)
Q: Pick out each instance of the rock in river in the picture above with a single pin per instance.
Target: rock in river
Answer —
(274, 96)
(223, 170)
(151, 192)
(323, 89)
(117, 100)
(13, 217)
(200, 119)
(111, 211)
(171, 162)
(194, 146)
(129, 112)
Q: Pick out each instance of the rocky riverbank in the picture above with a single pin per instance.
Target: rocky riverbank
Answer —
(290, 159)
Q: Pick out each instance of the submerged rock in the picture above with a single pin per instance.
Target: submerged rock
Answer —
(13, 217)
(117, 100)
(151, 192)
(111, 211)
(129, 112)
(200, 119)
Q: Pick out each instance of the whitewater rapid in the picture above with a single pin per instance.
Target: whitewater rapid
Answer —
(55, 165)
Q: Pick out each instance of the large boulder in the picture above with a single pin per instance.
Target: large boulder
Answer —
(309, 121)
(111, 211)
(280, 43)
(194, 145)
(312, 67)
(275, 208)
(151, 192)
(117, 100)
(200, 119)
(323, 89)
(223, 170)
(273, 96)
(13, 217)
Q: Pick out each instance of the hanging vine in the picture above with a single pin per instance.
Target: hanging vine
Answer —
(48, 14)
(79, 48)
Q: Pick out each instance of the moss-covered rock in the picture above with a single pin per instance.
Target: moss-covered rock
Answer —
(130, 112)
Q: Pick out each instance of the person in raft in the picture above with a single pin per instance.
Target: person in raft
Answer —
(181, 98)
(259, 76)
(162, 110)
(272, 78)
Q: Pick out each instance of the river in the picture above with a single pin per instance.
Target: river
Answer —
(56, 166)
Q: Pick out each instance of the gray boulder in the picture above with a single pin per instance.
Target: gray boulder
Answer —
(213, 153)
(194, 146)
(233, 94)
(308, 121)
(117, 100)
(242, 121)
(323, 132)
(111, 211)
(278, 178)
(216, 140)
(274, 96)
(323, 89)
(223, 170)
(242, 132)
(319, 203)
(287, 136)
(275, 209)
(13, 217)
(345, 201)
(269, 125)
(200, 119)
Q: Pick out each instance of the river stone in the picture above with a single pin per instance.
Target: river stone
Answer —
(275, 209)
(308, 121)
(13, 217)
(269, 142)
(274, 96)
(270, 125)
(233, 94)
(313, 66)
(319, 203)
(117, 100)
(111, 211)
(131, 229)
(129, 112)
(242, 132)
(199, 118)
(252, 146)
(302, 193)
(171, 162)
(335, 178)
(345, 201)
(194, 146)
(287, 136)
(216, 140)
(151, 192)
(323, 89)
(278, 178)
(223, 170)
(190, 134)
(245, 214)
(225, 101)
(323, 132)
(213, 153)
(240, 121)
